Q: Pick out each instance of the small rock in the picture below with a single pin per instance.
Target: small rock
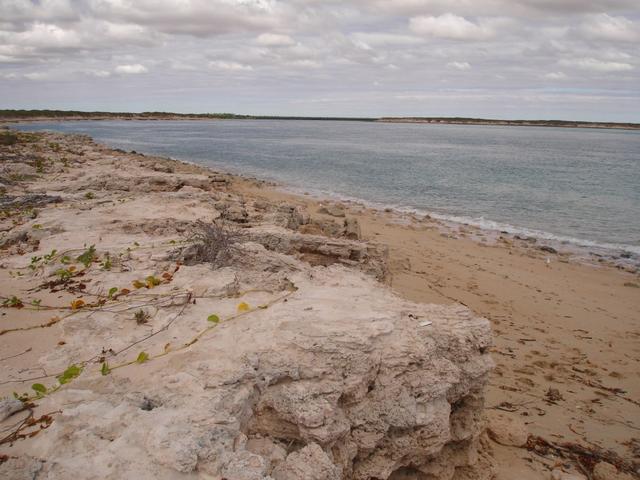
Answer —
(268, 449)
(554, 395)
(548, 249)
(311, 229)
(506, 429)
(8, 406)
(158, 167)
(606, 471)
(235, 213)
(559, 474)
(309, 463)
(333, 210)
(352, 229)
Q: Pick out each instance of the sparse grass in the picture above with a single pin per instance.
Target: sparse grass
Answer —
(141, 317)
(39, 165)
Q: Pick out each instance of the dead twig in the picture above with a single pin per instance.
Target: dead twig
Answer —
(38, 424)
(585, 457)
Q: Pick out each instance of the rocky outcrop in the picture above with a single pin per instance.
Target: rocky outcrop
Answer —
(320, 250)
(341, 381)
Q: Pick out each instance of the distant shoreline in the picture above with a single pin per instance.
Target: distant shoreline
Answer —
(13, 116)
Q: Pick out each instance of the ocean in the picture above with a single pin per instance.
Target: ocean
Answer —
(577, 187)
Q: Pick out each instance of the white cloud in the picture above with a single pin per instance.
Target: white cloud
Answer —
(378, 39)
(305, 63)
(133, 69)
(555, 76)
(449, 26)
(274, 40)
(230, 66)
(459, 65)
(596, 65)
(48, 36)
(36, 76)
(606, 27)
(98, 73)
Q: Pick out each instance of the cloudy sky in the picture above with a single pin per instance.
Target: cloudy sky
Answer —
(568, 59)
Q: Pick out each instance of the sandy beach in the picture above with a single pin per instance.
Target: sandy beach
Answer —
(565, 333)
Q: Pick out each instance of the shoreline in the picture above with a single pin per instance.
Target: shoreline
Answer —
(559, 325)
(570, 124)
(588, 252)
(623, 256)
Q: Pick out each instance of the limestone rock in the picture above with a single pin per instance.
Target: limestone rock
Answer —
(342, 375)
(9, 406)
(606, 471)
(506, 429)
(352, 229)
(235, 213)
(310, 463)
(319, 250)
(267, 448)
(21, 468)
(291, 216)
(559, 474)
(164, 168)
(333, 210)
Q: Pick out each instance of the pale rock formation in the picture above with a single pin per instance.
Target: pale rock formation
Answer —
(341, 378)
(333, 210)
(319, 250)
(506, 429)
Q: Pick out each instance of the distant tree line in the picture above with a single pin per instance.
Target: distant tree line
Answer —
(76, 114)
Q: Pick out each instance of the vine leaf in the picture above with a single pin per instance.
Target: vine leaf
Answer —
(69, 374)
(243, 307)
(213, 318)
(112, 291)
(142, 357)
(76, 304)
(105, 370)
(39, 388)
(86, 258)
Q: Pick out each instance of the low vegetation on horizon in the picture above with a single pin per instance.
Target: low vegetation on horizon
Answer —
(17, 115)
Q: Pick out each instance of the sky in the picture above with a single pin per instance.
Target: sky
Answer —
(518, 59)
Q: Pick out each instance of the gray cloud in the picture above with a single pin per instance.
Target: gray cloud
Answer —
(497, 58)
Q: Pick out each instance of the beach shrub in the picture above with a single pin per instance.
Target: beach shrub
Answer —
(211, 243)
(8, 138)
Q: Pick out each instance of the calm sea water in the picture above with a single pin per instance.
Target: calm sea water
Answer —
(574, 185)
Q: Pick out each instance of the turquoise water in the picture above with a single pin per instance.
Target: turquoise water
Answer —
(576, 186)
